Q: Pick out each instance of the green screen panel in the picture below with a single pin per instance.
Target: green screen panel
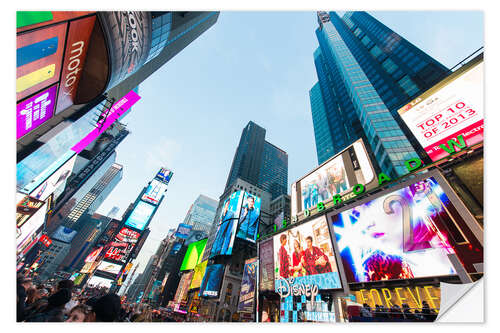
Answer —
(28, 18)
(193, 255)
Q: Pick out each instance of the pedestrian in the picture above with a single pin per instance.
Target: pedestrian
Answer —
(80, 313)
(23, 284)
(53, 311)
(107, 308)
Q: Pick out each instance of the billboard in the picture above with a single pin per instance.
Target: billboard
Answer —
(175, 248)
(403, 234)
(27, 234)
(97, 281)
(140, 216)
(248, 222)
(28, 20)
(38, 59)
(109, 267)
(182, 289)
(248, 286)
(154, 192)
(26, 208)
(212, 280)
(183, 230)
(76, 52)
(34, 111)
(337, 176)
(109, 233)
(266, 265)
(64, 234)
(198, 273)
(122, 245)
(453, 107)
(305, 255)
(411, 295)
(164, 175)
(93, 255)
(194, 254)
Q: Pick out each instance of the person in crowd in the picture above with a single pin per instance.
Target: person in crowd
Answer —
(429, 314)
(297, 259)
(396, 312)
(40, 301)
(265, 317)
(107, 308)
(366, 311)
(306, 196)
(79, 314)
(283, 258)
(316, 261)
(31, 296)
(144, 314)
(407, 314)
(53, 311)
(322, 183)
(23, 284)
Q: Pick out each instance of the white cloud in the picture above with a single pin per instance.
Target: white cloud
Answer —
(163, 153)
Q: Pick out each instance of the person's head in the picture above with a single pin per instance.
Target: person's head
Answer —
(250, 202)
(42, 293)
(283, 239)
(60, 298)
(65, 284)
(107, 308)
(296, 246)
(309, 242)
(79, 313)
(265, 316)
(27, 283)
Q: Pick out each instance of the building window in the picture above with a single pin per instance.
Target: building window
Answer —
(389, 66)
(407, 84)
(376, 51)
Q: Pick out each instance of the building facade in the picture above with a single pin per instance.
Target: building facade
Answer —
(201, 214)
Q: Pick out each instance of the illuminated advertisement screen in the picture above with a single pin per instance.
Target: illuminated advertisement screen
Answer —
(64, 234)
(411, 295)
(305, 255)
(183, 230)
(248, 223)
(26, 208)
(248, 286)
(154, 192)
(93, 255)
(25, 234)
(109, 267)
(182, 289)
(97, 281)
(336, 176)
(28, 20)
(199, 271)
(164, 175)
(400, 235)
(122, 245)
(266, 265)
(451, 108)
(140, 215)
(194, 254)
(175, 248)
(212, 280)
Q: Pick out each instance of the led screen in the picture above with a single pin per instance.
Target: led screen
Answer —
(154, 192)
(34, 111)
(453, 107)
(109, 267)
(194, 254)
(175, 248)
(183, 230)
(182, 289)
(26, 207)
(210, 285)
(140, 215)
(305, 255)
(64, 234)
(93, 255)
(199, 271)
(164, 175)
(122, 245)
(248, 223)
(97, 281)
(400, 235)
(27, 232)
(248, 286)
(266, 265)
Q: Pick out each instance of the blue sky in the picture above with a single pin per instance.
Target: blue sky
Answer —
(248, 66)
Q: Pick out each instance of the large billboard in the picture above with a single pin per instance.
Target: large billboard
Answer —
(337, 176)
(248, 286)
(122, 245)
(266, 265)
(212, 280)
(28, 20)
(413, 296)
(182, 289)
(64, 234)
(194, 254)
(97, 281)
(140, 216)
(183, 230)
(93, 255)
(164, 175)
(248, 222)
(28, 233)
(26, 207)
(453, 107)
(403, 234)
(154, 192)
(198, 273)
(109, 267)
(305, 255)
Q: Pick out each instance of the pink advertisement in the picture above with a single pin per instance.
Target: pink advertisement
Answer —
(117, 110)
(35, 110)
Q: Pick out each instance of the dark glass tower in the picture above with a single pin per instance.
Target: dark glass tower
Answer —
(259, 162)
(366, 72)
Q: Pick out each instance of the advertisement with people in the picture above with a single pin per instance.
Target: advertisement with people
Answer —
(248, 223)
(248, 286)
(212, 280)
(154, 192)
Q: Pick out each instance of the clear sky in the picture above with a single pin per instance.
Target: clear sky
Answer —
(248, 66)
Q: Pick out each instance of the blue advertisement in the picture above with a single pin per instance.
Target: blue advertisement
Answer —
(164, 175)
(64, 234)
(211, 283)
(183, 231)
(248, 286)
(248, 223)
(140, 216)
(175, 248)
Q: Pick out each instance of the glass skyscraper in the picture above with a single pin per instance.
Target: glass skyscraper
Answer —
(259, 162)
(366, 72)
(201, 214)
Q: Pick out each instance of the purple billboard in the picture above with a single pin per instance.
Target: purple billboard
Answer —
(35, 110)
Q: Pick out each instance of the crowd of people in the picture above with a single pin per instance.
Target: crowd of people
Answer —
(62, 302)
(395, 313)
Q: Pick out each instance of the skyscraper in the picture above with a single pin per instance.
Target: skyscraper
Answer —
(259, 162)
(366, 72)
(201, 214)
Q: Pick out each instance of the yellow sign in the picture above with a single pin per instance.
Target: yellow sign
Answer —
(413, 296)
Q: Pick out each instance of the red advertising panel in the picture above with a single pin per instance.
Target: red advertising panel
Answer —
(39, 56)
(122, 245)
(28, 20)
(74, 59)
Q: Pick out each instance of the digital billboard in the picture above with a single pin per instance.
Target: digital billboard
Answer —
(194, 254)
(175, 248)
(183, 230)
(26, 207)
(411, 295)
(27, 234)
(403, 234)
(97, 281)
(266, 265)
(34, 111)
(199, 272)
(109, 267)
(164, 175)
(453, 107)
(182, 289)
(212, 280)
(93, 255)
(28, 20)
(337, 176)
(122, 245)
(248, 286)
(305, 255)
(154, 192)
(140, 215)
(64, 234)
(248, 222)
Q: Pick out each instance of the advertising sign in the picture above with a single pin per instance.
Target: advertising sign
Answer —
(266, 265)
(128, 37)
(155, 291)
(183, 230)
(28, 20)
(453, 107)
(79, 279)
(212, 280)
(109, 233)
(164, 175)
(140, 215)
(97, 281)
(182, 289)
(403, 234)
(26, 208)
(109, 267)
(76, 51)
(194, 254)
(337, 176)
(27, 233)
(38, 59)
(154, 192)
(122, 245)
(64, 234)
(175, 248)
(304, 256)
(118, 109)
(413, 296)
(34, 111)
(199, 271)
(248, 223)
(93, 255)
(248, 286)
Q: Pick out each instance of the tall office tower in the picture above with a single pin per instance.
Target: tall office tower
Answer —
(365, 73)
(201, 214)
(259, 162)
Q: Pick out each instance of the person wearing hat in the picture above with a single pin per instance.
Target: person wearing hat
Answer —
(23, 284)
(53, 312)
